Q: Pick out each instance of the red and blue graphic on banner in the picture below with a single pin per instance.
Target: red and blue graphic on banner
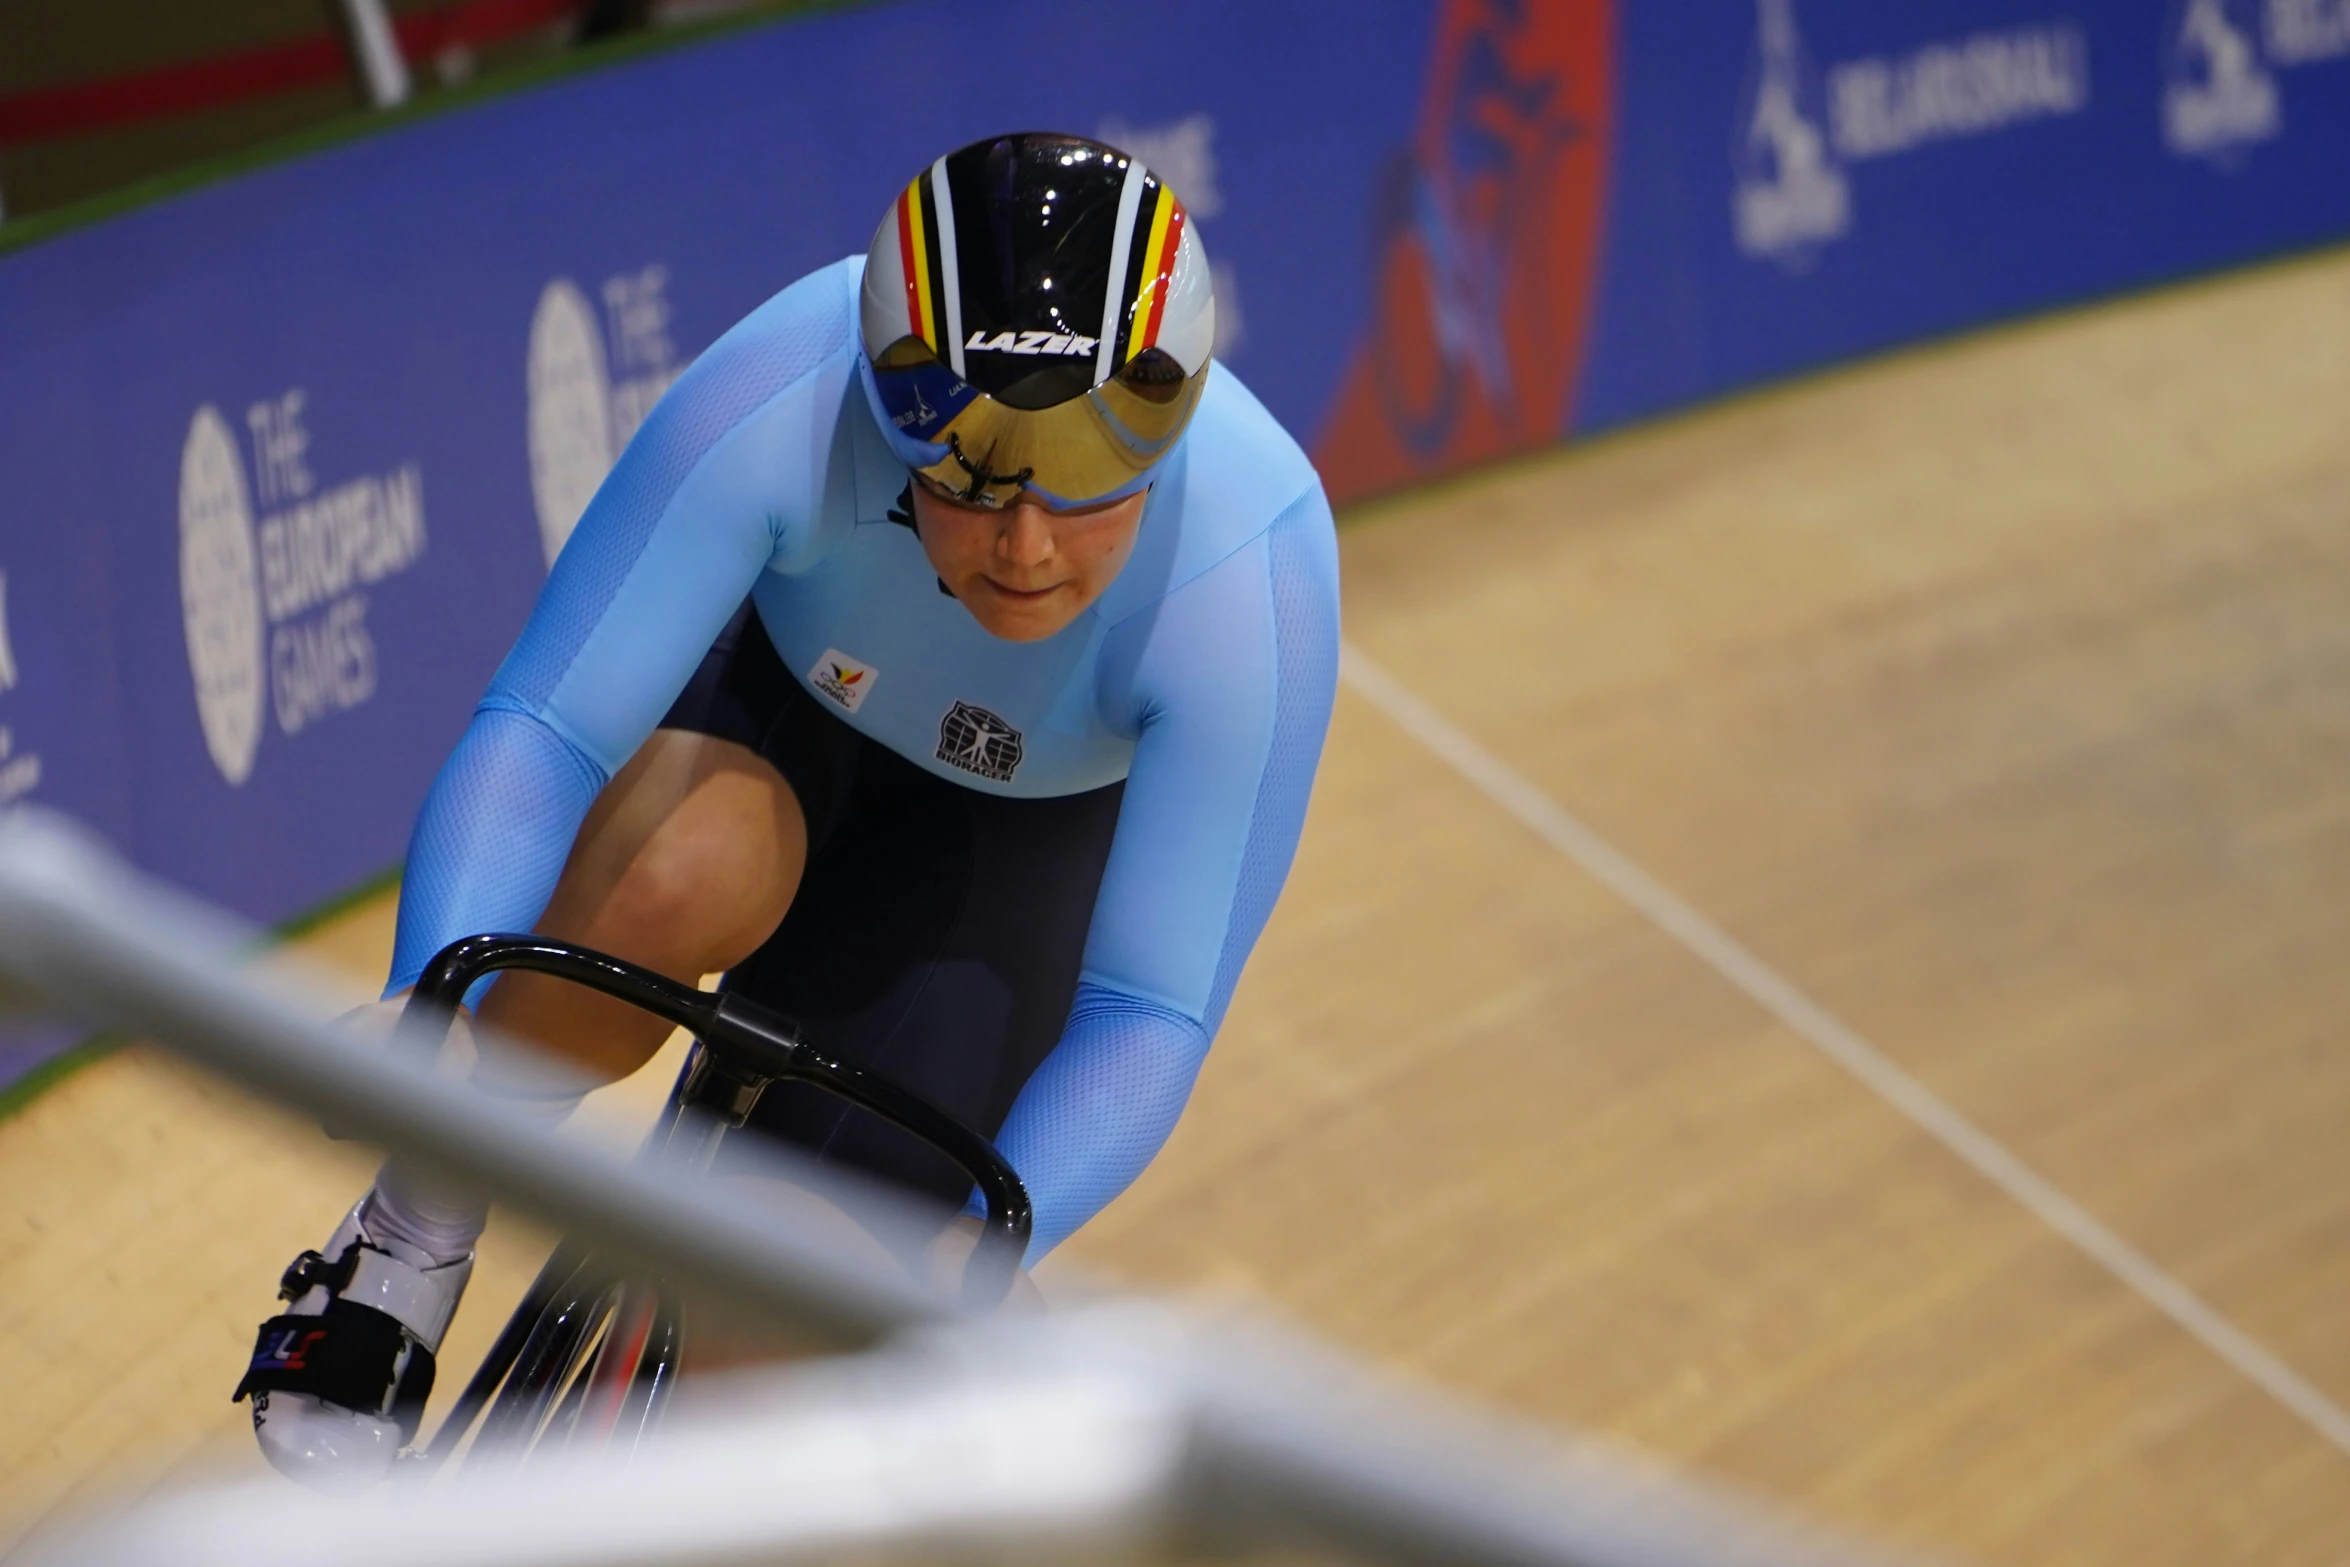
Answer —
(1484, 243)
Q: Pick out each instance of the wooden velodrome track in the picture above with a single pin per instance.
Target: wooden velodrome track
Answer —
(1994, 700)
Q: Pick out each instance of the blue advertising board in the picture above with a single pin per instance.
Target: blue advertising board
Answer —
(289, 455)
(1910, 170)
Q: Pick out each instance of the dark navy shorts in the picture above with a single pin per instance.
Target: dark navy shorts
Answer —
(938, 931)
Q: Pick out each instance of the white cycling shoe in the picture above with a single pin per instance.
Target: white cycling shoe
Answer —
(339, 1381)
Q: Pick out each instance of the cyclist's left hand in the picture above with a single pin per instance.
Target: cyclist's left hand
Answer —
(951, 1253)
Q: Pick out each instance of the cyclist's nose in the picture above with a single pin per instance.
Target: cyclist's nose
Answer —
(1025, 537)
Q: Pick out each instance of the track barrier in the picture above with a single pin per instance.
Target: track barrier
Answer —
(1114, 1428)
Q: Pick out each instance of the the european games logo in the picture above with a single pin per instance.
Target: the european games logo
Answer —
(570, 412)
(844, 679)
(592, 382)
(220, 593)
(978, 741)
(273, 597)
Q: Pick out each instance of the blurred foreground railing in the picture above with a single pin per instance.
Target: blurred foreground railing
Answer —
(1118, 1429)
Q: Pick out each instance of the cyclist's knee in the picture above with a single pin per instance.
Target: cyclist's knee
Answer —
(690, 858)
(708, 886)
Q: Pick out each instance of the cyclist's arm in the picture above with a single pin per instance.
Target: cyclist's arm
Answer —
(722, 479)
(1236, 682)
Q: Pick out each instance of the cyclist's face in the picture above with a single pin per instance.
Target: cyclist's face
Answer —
(1025, 571)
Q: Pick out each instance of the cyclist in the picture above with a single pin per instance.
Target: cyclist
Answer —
(947, 659)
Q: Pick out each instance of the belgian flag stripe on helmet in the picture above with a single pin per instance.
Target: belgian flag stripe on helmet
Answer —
(914, 261)
(1125, 260)
(1150, 303)
(946, 287)
(1134, 259)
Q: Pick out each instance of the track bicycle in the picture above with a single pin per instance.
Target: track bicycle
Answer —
(590, 1356)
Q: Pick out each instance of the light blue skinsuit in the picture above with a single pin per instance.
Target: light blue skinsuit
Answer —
(1204, 677)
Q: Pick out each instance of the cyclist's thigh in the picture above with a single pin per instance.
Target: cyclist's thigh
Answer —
(936, 939)
(685, 863)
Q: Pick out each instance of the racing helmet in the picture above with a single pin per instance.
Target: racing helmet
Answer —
(1037, 313)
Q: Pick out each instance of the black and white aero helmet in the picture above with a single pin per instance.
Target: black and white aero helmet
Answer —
(1037, 314)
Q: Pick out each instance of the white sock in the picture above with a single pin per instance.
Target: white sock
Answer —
(421, 1208)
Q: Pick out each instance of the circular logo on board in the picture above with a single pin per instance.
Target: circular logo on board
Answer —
(220, 593)
(570, 412)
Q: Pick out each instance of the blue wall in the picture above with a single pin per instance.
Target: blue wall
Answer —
(2062, 197)
(1443, 229)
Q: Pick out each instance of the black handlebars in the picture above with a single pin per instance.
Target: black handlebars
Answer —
(752, 1041)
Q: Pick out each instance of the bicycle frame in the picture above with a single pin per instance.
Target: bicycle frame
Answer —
(587, 1350)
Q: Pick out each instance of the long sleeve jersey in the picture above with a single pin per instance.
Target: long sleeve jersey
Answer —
(1203, 676)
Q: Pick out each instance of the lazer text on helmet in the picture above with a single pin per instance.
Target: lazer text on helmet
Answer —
(1030, 343)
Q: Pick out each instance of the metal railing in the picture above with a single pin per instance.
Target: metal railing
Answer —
(375, 52)
(1115, 1429)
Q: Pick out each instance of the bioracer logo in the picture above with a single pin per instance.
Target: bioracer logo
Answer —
(1030, 343)
(978, 741)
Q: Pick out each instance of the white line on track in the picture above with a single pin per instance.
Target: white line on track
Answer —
(1829, 1035)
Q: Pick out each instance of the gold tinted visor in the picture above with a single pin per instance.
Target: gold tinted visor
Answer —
(1089, 448)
